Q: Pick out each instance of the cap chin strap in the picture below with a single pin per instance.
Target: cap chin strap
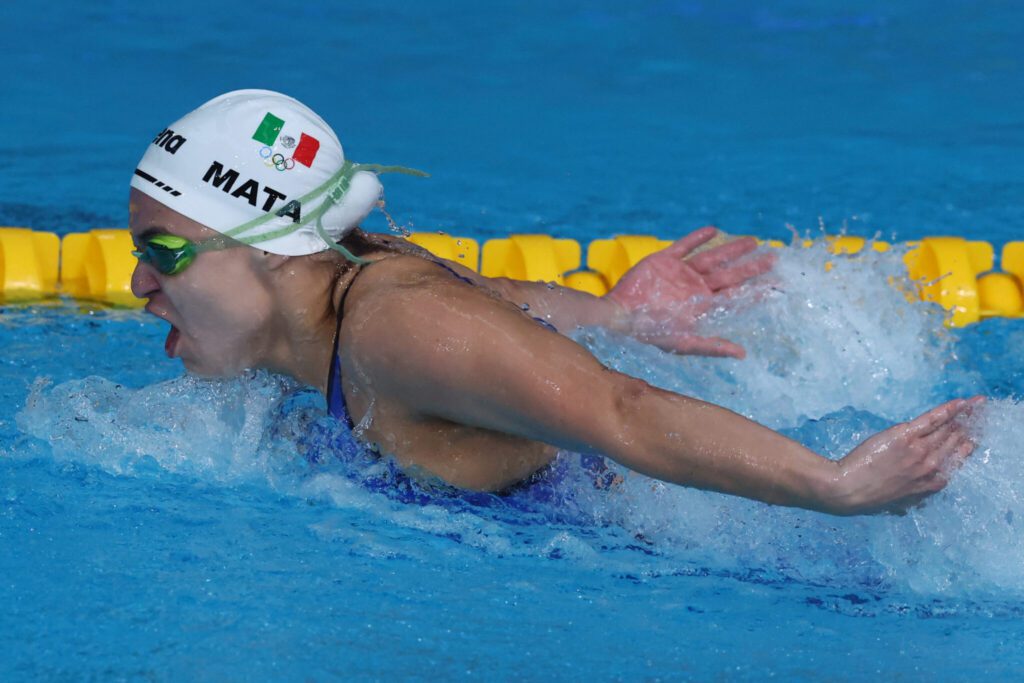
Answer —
(333, 191)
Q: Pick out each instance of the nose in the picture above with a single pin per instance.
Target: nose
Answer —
(144, 281)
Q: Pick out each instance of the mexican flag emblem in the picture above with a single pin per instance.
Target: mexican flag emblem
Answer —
(270, 128)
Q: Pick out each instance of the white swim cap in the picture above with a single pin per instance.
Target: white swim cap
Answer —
(262, 168)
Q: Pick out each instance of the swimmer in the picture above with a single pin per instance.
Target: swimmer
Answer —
(245, 218)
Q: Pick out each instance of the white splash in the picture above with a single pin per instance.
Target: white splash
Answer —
(205, 428)
(817, 341)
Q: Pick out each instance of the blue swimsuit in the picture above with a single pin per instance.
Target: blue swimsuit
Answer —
(542, 488)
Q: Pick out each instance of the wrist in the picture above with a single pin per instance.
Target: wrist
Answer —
(617, 316)
(831, 494)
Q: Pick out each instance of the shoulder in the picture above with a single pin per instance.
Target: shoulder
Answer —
(396, 281)
(411, 317)
(400, 299)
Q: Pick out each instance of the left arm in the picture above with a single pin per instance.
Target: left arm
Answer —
(563, 307)
(657, 301)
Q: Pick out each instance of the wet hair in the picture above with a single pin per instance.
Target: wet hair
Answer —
(362, 244)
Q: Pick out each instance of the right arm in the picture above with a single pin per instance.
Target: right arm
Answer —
(895, 468)
(446, 351)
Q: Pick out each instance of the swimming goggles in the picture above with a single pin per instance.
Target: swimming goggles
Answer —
(171, 254)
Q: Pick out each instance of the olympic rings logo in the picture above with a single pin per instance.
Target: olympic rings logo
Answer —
(276, 159)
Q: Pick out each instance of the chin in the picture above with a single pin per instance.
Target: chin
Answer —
(210, 370)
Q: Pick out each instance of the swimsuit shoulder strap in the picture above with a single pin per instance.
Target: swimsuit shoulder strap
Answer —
(335, 396)
(336, 405)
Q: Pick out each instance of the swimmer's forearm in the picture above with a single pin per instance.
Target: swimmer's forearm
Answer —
(692, 443)
(563, 307)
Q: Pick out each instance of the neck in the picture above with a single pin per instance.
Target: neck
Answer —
(302, 333)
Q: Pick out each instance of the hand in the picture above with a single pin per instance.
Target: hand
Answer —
(905, 464)
(666, 292)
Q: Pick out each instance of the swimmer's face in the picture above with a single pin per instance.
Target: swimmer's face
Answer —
(218, 307)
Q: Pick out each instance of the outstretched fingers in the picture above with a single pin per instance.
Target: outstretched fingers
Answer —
(723, 254)
(937, 438)
(943, 435)
(684, 245)
(935, 418)
(958, 452)
(949, 444)
(963, 451)
(950, 455)
(715, 347)
(692, 345)
(740, 273)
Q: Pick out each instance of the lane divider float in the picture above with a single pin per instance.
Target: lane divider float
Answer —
(28, 264)
(97, 265)
(538, 258)
(955, 273)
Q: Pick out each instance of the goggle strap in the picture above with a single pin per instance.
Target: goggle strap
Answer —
(345, 170)
(316, 214)
(336, 187)
(405, 170)
(215, 243)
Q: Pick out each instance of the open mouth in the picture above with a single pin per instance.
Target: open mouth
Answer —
(173, 336)
(171, 344)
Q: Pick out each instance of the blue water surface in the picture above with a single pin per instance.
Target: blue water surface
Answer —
(158, 527)
(578, 118)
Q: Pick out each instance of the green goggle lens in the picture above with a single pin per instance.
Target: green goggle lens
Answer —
(169, 254)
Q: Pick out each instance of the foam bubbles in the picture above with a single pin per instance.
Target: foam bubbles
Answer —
(817, 341)
(211, 429)
(833, 357)
(969, 538)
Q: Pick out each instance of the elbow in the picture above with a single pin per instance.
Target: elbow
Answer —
(630, 395)
(630, 409)
(648, 431)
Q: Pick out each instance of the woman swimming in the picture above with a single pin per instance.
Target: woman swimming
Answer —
(245, 216)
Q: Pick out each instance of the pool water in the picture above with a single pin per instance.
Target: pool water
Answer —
(158, 527)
